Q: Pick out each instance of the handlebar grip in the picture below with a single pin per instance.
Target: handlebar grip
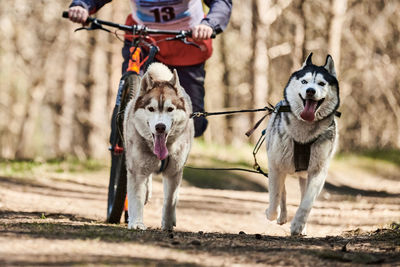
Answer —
(213, 35)
(65, 15)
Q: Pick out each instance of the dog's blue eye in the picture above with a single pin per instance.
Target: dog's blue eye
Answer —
(151, 109)
(304, 82)
(321, 84)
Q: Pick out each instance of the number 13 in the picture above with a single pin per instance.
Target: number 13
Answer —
(165, 13)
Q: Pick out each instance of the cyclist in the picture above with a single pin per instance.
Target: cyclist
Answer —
(188, 60)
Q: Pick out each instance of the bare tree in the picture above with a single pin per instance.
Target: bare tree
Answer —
(58, 88)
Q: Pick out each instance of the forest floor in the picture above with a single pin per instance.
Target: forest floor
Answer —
(52, 214)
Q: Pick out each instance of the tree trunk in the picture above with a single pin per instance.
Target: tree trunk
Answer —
(335, 32)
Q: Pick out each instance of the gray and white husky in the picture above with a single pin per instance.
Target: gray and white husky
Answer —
(303, 139)
(156, 128)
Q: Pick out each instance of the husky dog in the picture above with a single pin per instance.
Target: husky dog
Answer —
(303, 139)
(157, 129)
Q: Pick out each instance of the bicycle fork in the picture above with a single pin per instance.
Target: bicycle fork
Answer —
(116, 139)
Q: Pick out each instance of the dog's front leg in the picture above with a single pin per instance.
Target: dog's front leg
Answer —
(303, 186)
(283, 211)
(275, 187)
(148, 189)
(315, 184)
(171, 190)
(136, 188)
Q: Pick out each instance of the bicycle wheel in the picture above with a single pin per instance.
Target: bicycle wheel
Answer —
(117, 183)
(116, 189)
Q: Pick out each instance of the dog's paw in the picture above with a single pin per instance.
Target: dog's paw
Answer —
(271, 215)
(137, 226)
(298, 228)
(167, 225)
(282, 218)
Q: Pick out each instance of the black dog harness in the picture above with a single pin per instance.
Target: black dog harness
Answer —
(301, 155)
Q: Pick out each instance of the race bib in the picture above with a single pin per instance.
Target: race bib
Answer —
(168, 14)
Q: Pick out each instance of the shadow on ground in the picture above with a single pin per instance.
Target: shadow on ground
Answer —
(18, 215)
(356, 247)
(221, 179)
(79, 260)
(36, 186)
(347, 190)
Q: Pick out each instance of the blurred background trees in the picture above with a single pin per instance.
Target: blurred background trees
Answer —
(57, 87)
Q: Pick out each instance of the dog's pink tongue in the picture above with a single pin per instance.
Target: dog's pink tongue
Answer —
(160, 148)
(308, 113)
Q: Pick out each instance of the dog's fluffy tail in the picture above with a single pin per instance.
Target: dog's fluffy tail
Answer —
(159, 72)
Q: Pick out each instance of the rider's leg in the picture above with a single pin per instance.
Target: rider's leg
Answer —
(191, 79)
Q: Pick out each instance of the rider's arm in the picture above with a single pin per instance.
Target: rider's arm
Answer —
(91, 5)
(219, 14)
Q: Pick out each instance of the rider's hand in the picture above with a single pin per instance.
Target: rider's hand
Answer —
(78, 14)
(201, 32)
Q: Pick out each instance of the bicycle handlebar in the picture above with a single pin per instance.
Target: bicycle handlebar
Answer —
(138, 29)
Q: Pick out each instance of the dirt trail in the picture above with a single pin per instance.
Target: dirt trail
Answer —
(57, 219)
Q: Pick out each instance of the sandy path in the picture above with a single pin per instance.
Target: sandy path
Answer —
(71, 229)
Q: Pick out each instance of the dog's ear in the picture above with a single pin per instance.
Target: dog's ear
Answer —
(175, 82)
(308, 60)
(330, 66)
(145, 84)
(175, 79)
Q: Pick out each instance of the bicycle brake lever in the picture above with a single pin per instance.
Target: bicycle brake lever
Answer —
(185, 41)
(93, 26)
(177, 37)
(182, 37)
(81, 28)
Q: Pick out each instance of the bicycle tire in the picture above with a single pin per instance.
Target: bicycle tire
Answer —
(116, 189)
(118, 175)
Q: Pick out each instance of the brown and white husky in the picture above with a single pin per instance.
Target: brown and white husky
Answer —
(157, 128)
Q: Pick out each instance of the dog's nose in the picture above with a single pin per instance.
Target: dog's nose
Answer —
(160, 128)
(310, 92)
